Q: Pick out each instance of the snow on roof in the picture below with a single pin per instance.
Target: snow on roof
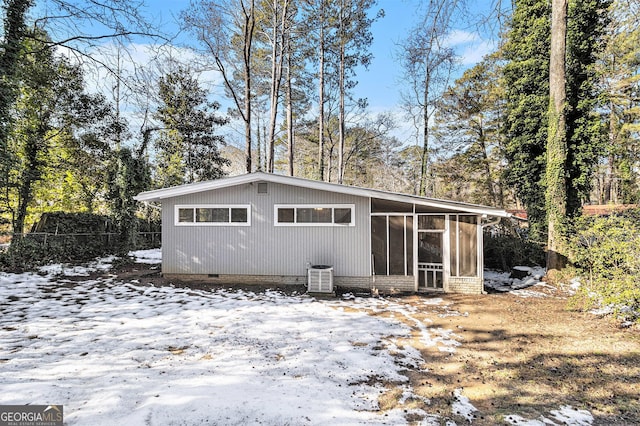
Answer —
(176, 191)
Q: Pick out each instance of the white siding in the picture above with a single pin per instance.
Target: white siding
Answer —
(262, 248)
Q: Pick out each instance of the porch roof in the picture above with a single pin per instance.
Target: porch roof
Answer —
(444, 205)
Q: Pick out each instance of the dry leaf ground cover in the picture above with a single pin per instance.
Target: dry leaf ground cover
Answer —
(530, 356)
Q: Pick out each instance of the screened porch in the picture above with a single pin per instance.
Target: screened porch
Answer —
(436, 250)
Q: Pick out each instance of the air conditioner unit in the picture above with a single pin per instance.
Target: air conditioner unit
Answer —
(320, 279)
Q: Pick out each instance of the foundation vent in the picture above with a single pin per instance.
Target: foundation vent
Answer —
(320, 279)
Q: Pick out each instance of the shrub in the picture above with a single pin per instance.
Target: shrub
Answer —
(507, 246)
(606, 251)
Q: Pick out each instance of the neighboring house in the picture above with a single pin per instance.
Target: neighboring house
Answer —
(267, 228)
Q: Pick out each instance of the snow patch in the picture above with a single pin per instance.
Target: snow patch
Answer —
(566, 415)
(503, 282)
(570, 416)
(462, 406)
(56, 269)
(150, 257)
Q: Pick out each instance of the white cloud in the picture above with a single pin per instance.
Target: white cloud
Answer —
(458, 37)
(471, 47)
(473, 53)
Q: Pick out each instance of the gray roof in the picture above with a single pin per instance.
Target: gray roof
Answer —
(161, 194)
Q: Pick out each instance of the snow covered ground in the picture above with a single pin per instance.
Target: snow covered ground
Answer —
(118, 352)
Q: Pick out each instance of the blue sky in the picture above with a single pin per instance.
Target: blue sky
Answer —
(380, 83)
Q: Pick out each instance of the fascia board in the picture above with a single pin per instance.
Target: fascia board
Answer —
(453, 206)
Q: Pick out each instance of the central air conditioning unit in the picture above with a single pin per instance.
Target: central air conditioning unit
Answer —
(320, 279)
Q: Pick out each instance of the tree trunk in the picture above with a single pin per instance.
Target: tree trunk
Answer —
(290, 134)
(424, 162)
(259, 136)
(341, 113)
(30, 175)
(556, 196)
(249, 27)
(487, 169)
(321, 96)
(277, 60)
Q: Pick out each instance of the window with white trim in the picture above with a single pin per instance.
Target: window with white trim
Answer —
(213, 215)
(314, 215)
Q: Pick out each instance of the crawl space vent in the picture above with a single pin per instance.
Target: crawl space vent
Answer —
(320, 279)
(262, 188)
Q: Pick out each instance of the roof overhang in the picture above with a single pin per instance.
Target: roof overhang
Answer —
(193, 188)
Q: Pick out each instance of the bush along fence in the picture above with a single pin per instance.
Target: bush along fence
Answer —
(37, 248)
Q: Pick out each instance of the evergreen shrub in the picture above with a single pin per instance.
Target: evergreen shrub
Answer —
(606, 252)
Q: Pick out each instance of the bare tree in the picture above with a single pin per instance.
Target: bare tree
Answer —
(317, 20)
(226, 29)
(353, 41)
(428, 63)
(289, 106)
(281, 22)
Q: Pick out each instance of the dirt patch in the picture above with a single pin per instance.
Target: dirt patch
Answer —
(529, 356)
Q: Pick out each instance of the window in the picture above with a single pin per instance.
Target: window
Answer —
(213, 215)
(314, 215)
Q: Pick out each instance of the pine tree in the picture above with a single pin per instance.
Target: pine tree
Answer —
(189, 148)
(467, 125)
(586, 132)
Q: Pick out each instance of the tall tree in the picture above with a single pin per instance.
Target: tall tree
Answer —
(619, 177)
(586, 131)
(188, 143)
(226, 30)
(556, 195)
(526, 77)
(427, 63)
(353, 41)
(51, 107)
(10, 47)
(280, 27)
(468, 124)
(319, 19)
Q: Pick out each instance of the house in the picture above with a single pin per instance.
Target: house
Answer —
(268, 228)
